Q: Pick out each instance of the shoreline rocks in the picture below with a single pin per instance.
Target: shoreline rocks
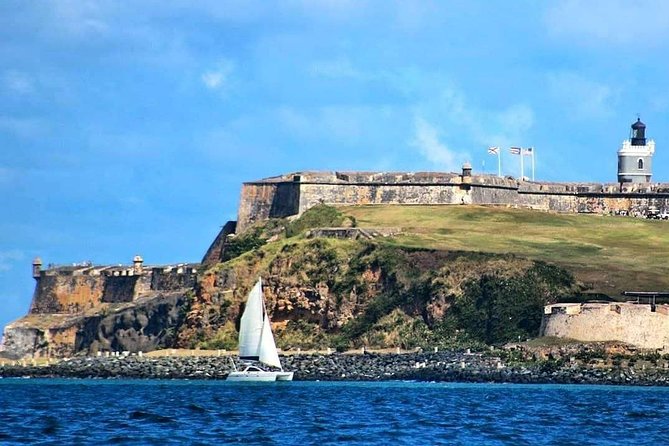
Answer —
(440, 367)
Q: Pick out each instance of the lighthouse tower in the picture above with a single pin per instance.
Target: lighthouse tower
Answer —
(635, 156)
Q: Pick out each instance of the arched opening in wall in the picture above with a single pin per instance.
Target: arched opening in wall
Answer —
(640, 163)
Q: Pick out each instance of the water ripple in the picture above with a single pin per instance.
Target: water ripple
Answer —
(199, 412)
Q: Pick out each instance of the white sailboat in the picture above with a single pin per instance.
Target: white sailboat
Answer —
(256, 342)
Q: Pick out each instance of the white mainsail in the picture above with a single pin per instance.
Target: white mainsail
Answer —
(251, 324)
(255, 332)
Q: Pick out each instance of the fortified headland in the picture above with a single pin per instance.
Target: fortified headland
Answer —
(70, 307)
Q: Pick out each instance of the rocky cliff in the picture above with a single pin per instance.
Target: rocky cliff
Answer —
(89, 309)
(320, 292)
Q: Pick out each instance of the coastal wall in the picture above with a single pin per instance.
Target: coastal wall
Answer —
(94, 308)
(65, 292)
(294, 193)
(73, 290)
(216, 249)
(631, 323)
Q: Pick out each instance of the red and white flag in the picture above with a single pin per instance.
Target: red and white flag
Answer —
(493, 150)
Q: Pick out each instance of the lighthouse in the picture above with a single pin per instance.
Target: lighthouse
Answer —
(635, 156)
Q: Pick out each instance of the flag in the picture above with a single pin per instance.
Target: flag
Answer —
(493, 150)
(529, 151)
(514, 150)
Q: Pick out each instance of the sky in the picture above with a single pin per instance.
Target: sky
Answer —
(128, 127)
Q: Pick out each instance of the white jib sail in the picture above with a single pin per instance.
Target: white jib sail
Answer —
(268, 354)
(251, 324)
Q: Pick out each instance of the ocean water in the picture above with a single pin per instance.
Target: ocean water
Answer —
(55, 411)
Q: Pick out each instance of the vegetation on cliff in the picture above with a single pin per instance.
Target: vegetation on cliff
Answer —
(349, 293)
(605, 253)
(455, 276)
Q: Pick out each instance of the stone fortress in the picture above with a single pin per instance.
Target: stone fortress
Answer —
(93, 308)
(63, 295)
(291, 194)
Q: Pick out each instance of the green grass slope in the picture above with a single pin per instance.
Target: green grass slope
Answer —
(607, 254)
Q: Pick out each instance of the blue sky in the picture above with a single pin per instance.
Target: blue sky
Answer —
(127, 127)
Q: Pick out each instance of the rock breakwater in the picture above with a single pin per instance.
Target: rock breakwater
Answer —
(446, 366)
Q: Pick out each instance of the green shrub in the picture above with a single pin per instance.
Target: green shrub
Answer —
(225, 338)
(236, 246)
(496, 310)
(319, 216)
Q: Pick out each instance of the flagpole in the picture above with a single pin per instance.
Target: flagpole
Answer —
(532, 163)
(499, 163)
(522, 170)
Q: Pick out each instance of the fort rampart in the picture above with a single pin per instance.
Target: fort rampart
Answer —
(642, 325)
(74, 289)
(294, 193)
(85, 307)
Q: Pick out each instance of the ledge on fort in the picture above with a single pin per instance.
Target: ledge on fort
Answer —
(361, 178)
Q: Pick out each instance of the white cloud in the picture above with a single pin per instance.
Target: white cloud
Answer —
(587, 22)
(426, 140)
(448, 129)
(581, 96)
(8, 258)
(477, 126)
(218, 78)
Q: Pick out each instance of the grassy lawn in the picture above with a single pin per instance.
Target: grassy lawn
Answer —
(609, 254)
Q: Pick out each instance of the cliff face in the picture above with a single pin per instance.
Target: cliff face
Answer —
(347, 293)
(320, 292)
(90, 309)
(149, 324)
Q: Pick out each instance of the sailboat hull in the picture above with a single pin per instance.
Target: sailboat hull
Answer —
(284, 376)
(259, 376)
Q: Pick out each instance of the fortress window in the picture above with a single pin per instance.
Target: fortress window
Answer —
(640, 164)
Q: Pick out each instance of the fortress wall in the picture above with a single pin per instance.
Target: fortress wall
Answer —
(493, 195)
(631, 323)
(260, 201)
(118, 289)
(63, 295)
(173, 278)
(66, 293)
(292, 194)
(547, 202)
(347, 194)
(255, 204)
(215, 252)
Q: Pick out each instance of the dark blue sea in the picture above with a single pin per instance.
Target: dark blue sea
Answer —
(55, 412)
